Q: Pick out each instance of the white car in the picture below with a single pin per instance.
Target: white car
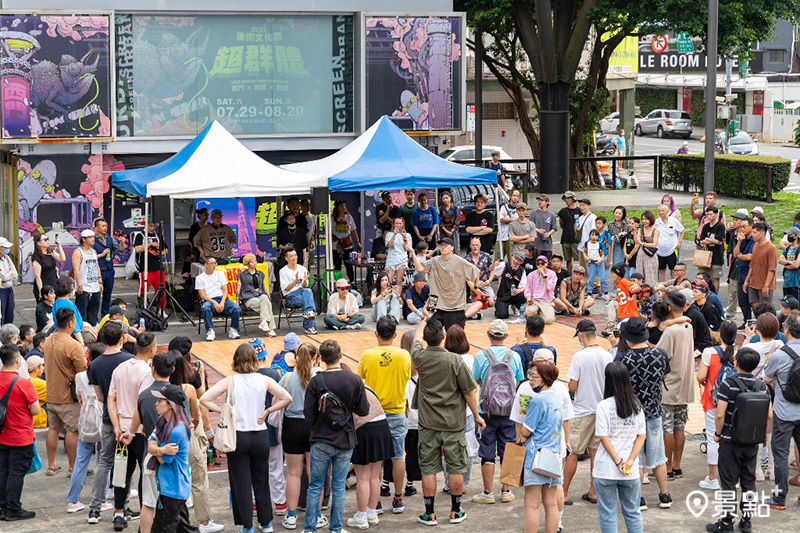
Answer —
(463, 153)
(611, 122)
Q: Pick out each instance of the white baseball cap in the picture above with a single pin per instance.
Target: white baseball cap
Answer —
(87, 233)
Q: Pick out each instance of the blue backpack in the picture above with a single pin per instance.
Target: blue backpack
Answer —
(726, 370)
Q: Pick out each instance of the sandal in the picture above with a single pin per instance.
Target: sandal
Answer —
(586, 498)
(795, 481)
(53, 471)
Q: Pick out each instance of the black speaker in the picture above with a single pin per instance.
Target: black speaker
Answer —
(319, 200)
(159, 209)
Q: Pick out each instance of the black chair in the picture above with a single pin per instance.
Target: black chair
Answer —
(215, 318)
(290, 312)
(247, 315)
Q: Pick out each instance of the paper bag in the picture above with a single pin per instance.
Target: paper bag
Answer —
(513, 463)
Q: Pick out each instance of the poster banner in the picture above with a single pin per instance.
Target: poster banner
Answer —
(240, 215)
(414, 71)
(625, 57)
(254, 74)
(55, 76)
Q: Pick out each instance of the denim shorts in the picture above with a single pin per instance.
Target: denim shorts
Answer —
(653, 445)
(398, 427)
(533, 478)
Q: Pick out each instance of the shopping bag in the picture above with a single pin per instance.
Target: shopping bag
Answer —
(702, 259)
(120, 466)
(225, 441)
(36, 461)
(547, 463)
(513, 463)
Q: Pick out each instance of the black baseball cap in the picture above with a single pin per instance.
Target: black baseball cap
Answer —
(618, 269)
(446, 240)
(181, 344)
(585, 326)
(585, 201)
(170, 392)
(790, 302)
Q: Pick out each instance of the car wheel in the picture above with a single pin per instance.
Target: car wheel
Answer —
(687, 136)
(660, 132)
(637, 131)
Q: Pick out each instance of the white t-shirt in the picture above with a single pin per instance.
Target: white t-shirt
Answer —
(211, 283)
(622, 433)
(667, 235)
(523, 397)
(468, 359)
(82, 386)
(288, 276)
(506, 211)
(593, 250)
(765, 349)
(585, 225)
(413, 414)
(588, 368)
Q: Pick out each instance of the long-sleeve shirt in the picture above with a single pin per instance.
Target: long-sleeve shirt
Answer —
(540, 289)
(8, 272)
(337, 306)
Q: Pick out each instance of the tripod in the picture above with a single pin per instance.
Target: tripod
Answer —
(319, 284)
(165, 291)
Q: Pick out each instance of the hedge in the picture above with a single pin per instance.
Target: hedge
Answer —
(726, 174)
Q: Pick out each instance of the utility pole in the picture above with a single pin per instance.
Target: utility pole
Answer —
(728, 100)
(479, 97)
(711, 94)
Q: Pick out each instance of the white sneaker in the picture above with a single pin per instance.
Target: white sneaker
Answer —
(645, 479)
(358, 524)
(263, 326)
(210, 335)
(271, 333)
(212, 527)
(133, 493)
(322, 521)
(75, 507)
(289, 522)
(373, 519)
(709, 484)
(759, 473)
(233, 333)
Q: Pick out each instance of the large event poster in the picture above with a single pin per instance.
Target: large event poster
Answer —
(414, 71)
(55, 76)
(240, 215)
(255, 74)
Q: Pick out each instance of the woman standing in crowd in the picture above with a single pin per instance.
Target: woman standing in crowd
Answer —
(248, 465)
(8, 277)
(449, 215)
(384, 300)
(345, 237)
(541, 430)
(647, 262)
(615, 229)
(397, 241)
(669, 201)
(425, 221)
(44, 263)
(620, 426)
(707, 374)
(202, 222)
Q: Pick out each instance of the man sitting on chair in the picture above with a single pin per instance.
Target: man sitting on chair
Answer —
(212, 287)
(253, 293)
(294, 286)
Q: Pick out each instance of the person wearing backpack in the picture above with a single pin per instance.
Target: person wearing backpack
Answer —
(497, 370)
(715, 366)
(332, 397)
(743, 409)
(783, 369)
(532, 341)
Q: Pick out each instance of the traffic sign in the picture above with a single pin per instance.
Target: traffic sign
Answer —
(659, 43)
(733, 127)
(685, 44)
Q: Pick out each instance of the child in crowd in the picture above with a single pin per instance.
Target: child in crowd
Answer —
(606, 244)
(595, 262)
(422, 250)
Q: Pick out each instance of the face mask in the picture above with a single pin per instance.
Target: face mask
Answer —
(582, 345)
(538, 389)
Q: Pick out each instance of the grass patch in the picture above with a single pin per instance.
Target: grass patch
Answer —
(780, 214)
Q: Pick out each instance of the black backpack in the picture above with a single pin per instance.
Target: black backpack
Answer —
(791, 389)
(750, 412)
(152, 322)
(334, 411)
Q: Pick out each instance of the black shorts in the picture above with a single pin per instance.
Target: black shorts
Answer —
(448, 318)
(667, 262)
(296, 436)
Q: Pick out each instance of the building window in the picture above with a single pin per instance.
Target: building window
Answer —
(776, 55)
(498, 110)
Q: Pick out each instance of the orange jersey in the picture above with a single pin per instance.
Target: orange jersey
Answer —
(628, 305)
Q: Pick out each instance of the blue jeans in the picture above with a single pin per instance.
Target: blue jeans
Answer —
(108, 285)
(629, 493)
(303, 298)
(600, 272)
(321, 456)
(629, 271)
(82, 460)
(230, 308)
(381, 309)
(88, 305)
(333, 322)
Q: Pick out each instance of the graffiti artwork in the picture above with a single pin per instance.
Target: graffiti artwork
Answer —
(55, 76)
(414, 71)
(239, 214)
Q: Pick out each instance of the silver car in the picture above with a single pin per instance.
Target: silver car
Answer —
(611, 122)
(665, 122)
(741, 144)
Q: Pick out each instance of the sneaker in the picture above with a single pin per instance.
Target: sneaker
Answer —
(348, 326)
(759, 473)
(645, 479)
(482, 497)
(289, 522)
(664, 500)
(22, 514)
(385, 491)
(410, 490)
(713, 484)
(120, 523)
(322, 521)
(266, 529)
(263, 326)
(427, 519)
(456, 517)
(281, 508)
(373, 519)
(397, 506)
(75, 507)
(358, 524)
(310, 331)
(677, 472)
(507, 496)
(130, 515)
(445, 489)
(94, 516)
(106, 506)
(309, 314)
(746, 526)
(212, 527)
(719, 527)
(774, 504)
(271, 333)
(379, 508)
(133, 493)
(586, 312)
(670, 476)
(233, 333)
(210, 335)
(607, 297)
(642, 504)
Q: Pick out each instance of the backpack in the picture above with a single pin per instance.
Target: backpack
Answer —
(791, 389)
(726, 370)
(4, 403)
(749, 419)
(152, 322)
(90, 420)
(498, 386)
(334, 411)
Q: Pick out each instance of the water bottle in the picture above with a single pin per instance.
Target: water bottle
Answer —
(522, 310)
(141, 323)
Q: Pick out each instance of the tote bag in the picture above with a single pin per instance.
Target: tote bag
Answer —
(702, 259)
(513, 463)
(225, 441)
(120, 466)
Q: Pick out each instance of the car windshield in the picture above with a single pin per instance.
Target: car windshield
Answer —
(679, 114)
(741, 138)
(446, 153)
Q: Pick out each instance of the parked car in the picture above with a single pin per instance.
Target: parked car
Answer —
(462, 197)
(665, 122)
(741, 144)
(465, 153)
(611, 122)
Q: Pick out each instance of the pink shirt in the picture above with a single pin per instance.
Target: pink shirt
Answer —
(128, 380)
(537, 288)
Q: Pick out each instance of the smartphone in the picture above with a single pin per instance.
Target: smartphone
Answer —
(433, 299)
(616, 333)
(751, 322)
(696, 196)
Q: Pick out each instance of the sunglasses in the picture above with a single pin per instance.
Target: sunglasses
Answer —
(534, 376)
(344, 288)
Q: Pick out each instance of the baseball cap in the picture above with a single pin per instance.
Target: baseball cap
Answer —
(543, 354)
(687, 293)
(260, 348)
(498, 329)
(541, 258)
(116, 310)
(522, 205)
(634, 330)
(740, 214)
(33, 362)
(170, 392)
(556, 256)
(216, 212)
(568, 194)
(87, 233)
(5, 243)
(586, 201)
(520, 255)
(543, 197)
(291, 341)
(701, 286)
(578, 268)
(787, 301)
(757, 209)
(618, 269)
(637, 275)
(420, 276)
(794, 230)
(342, 283)
(585, 326)
(446, 240)
(181, 344)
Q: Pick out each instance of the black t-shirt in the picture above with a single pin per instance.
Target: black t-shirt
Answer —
(154, 259)
(560, 276)
(380, 209)
(485, 219)
(508, 278)
(628, 241)
(568, 217)
(350, 389)
(49, 268)
(702, 338)
(296, 237)
(529, 265)
(647, 368)
(44, 314)
(300, 220)
(728, 390)
(716, 232)
(146, 404)
(100, 374)
(711, 314)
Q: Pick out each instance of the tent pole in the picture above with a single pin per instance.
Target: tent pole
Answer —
(328, 237)
(111, 222)
(363, 218)
(497, 221)
(171, 234)
(145, 251)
